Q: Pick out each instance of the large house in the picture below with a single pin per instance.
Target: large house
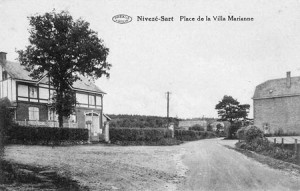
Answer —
(31, 99)
(277, 105)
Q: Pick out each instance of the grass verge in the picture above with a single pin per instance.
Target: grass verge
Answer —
(15, 176)
(271, 162)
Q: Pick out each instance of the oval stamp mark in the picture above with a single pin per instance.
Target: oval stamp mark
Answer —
(122, 19)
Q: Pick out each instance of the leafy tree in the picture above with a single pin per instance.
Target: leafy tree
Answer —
(63, 49)
(229, 109)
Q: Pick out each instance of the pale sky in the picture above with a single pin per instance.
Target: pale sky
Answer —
(199, 62)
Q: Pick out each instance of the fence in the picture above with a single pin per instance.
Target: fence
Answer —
(287, 141)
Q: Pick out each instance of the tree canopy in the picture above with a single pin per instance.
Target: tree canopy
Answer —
(63, 49)
(229, 109)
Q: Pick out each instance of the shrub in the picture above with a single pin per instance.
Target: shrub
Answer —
(45, 135)
(209, 127)
(254, 141)
(241, 133)
(137, 134)
(197, 127)
(6, 116)
(252, 132)
(188, 135)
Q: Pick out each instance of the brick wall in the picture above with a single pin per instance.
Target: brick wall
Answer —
(22, 111)
(278, 113)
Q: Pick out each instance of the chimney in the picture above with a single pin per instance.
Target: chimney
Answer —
(2, 57)
(288, 79)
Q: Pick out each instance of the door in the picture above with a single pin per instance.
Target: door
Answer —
(92, 123)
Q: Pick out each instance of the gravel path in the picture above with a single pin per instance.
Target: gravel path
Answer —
(199, 165)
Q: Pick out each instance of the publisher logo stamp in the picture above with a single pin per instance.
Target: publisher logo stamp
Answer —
(122, 19)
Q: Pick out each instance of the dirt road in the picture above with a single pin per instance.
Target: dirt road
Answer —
(215, 167)
(199, 165)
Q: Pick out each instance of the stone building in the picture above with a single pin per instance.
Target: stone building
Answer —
(186, 124)
(277, 105)
(32, 99)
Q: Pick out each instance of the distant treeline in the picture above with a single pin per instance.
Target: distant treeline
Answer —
(146, 121)
(140, 121)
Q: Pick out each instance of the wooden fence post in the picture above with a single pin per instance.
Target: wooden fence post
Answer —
(282, 142)
(275, 140)
(296, 149)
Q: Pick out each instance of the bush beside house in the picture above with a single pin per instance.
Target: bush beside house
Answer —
(5, 122)
(252, 138)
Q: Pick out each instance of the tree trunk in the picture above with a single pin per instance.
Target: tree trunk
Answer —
(60, 107)
(60, 121)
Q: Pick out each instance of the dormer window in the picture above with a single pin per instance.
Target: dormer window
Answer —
(4, 75)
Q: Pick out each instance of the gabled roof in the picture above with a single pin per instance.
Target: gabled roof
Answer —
(277, 88)
(18, 72)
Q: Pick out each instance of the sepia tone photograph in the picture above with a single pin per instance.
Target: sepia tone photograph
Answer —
(138, 95)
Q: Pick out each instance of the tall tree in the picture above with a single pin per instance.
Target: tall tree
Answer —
(64, 49)
(229, 109)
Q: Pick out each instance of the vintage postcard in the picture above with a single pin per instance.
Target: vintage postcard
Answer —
(150, 95)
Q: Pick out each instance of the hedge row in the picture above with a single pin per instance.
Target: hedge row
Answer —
(188, 135)
(45, 135)
(137, 134)
(155, 135)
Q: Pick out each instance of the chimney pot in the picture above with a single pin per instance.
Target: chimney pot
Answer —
(2, 57)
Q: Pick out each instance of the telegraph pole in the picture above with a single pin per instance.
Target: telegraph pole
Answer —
(168, 105)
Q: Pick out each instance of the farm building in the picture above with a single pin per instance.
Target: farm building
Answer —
(186, 124)
(222, 125)
(277, 105)
(32, 99)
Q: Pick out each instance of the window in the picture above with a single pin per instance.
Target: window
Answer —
(4, 75)
(32, 92)
(88, 100)
(43, 93)
(82, 98)
(98, 100)
(33, 113)
(91, 100)
(52, 116)
(23, 90)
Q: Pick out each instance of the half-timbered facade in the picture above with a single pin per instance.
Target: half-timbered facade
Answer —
(32, 99)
